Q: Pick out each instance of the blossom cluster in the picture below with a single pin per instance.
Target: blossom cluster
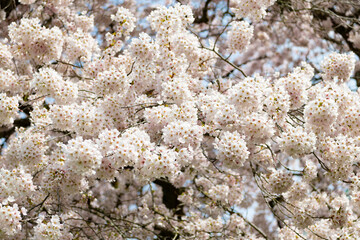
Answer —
(253, 9)
(10, 218)
(32, 41)
(232, 149)
(15, 183)
(126, 21)
(338, 66)
(240, 36)
(51, 230)
(8, 109)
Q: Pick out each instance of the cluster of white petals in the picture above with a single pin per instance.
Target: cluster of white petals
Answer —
(50, 83)
(165, 20)
(296, 142)
(179, 133)
(51, 230)
(5, 56)
(296, 84)
(15, 183)
(27, 149)
(126, 21)
(280, 181)
(240, 36)
(32, 41)
(82, 156)
(8, 109)
(232, 149)
(9, 220)
(338, 66)
(320, 114)
(254, 9)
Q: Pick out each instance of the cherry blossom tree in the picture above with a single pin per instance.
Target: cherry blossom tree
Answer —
(212, 119)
